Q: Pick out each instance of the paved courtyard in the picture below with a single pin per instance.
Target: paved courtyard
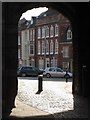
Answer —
(56, 98)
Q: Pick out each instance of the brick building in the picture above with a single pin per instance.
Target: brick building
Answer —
(54, 40)
(51, 32)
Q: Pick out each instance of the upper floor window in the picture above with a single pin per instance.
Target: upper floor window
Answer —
(31, 49)
(56, 30)
(39, 47)
(51, 31)
(43, 47)
(69, 34)
(65, 51)
(47, 31)
(56, 46)
(47, 47)
(39, 33)
(51, 47)
(43, 32)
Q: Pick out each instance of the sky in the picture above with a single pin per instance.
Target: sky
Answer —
(34, 12)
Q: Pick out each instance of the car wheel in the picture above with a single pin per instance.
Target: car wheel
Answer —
(48, 75)
(23, 74)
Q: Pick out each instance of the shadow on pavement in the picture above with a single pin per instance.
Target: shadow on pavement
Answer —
(80, 111)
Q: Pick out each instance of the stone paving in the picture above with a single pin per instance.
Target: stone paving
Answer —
(56, 98)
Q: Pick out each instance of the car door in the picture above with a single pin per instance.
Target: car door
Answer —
(52, 72)
(59, 72)
(29, 71)
(35, 71)
(24, 71)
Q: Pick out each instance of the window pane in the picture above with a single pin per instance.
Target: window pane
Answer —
(39, 47)
(51, 47)
(39, 32)
(51, 31)
(56, 47)
(43, 32)
(47, 32)
(47, 47)
(43, 47)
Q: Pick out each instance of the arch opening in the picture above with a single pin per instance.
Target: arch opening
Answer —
(69, 11)
(58, 32)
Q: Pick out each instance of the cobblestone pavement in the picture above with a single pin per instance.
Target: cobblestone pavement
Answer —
(56, 97)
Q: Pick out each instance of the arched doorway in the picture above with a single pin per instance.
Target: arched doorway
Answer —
(9, 45)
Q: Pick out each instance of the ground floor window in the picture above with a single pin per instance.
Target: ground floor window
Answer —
(41, 63)
(54, 62)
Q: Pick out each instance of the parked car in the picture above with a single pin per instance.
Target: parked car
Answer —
(28, 71)
(56, 72)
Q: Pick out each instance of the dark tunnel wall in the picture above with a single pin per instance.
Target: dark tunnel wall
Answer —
(11, 12)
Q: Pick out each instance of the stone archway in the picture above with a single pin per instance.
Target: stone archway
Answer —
(10, 16)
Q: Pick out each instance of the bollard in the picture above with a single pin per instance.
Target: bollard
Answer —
(66, 76)
(40, 80)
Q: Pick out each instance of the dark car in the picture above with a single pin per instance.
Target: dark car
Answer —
(28, 71)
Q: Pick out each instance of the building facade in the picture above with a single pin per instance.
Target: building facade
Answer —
(52, 33)
(26, 42)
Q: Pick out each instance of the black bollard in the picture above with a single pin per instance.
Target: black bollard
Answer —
(66, 76)
(40, 80)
